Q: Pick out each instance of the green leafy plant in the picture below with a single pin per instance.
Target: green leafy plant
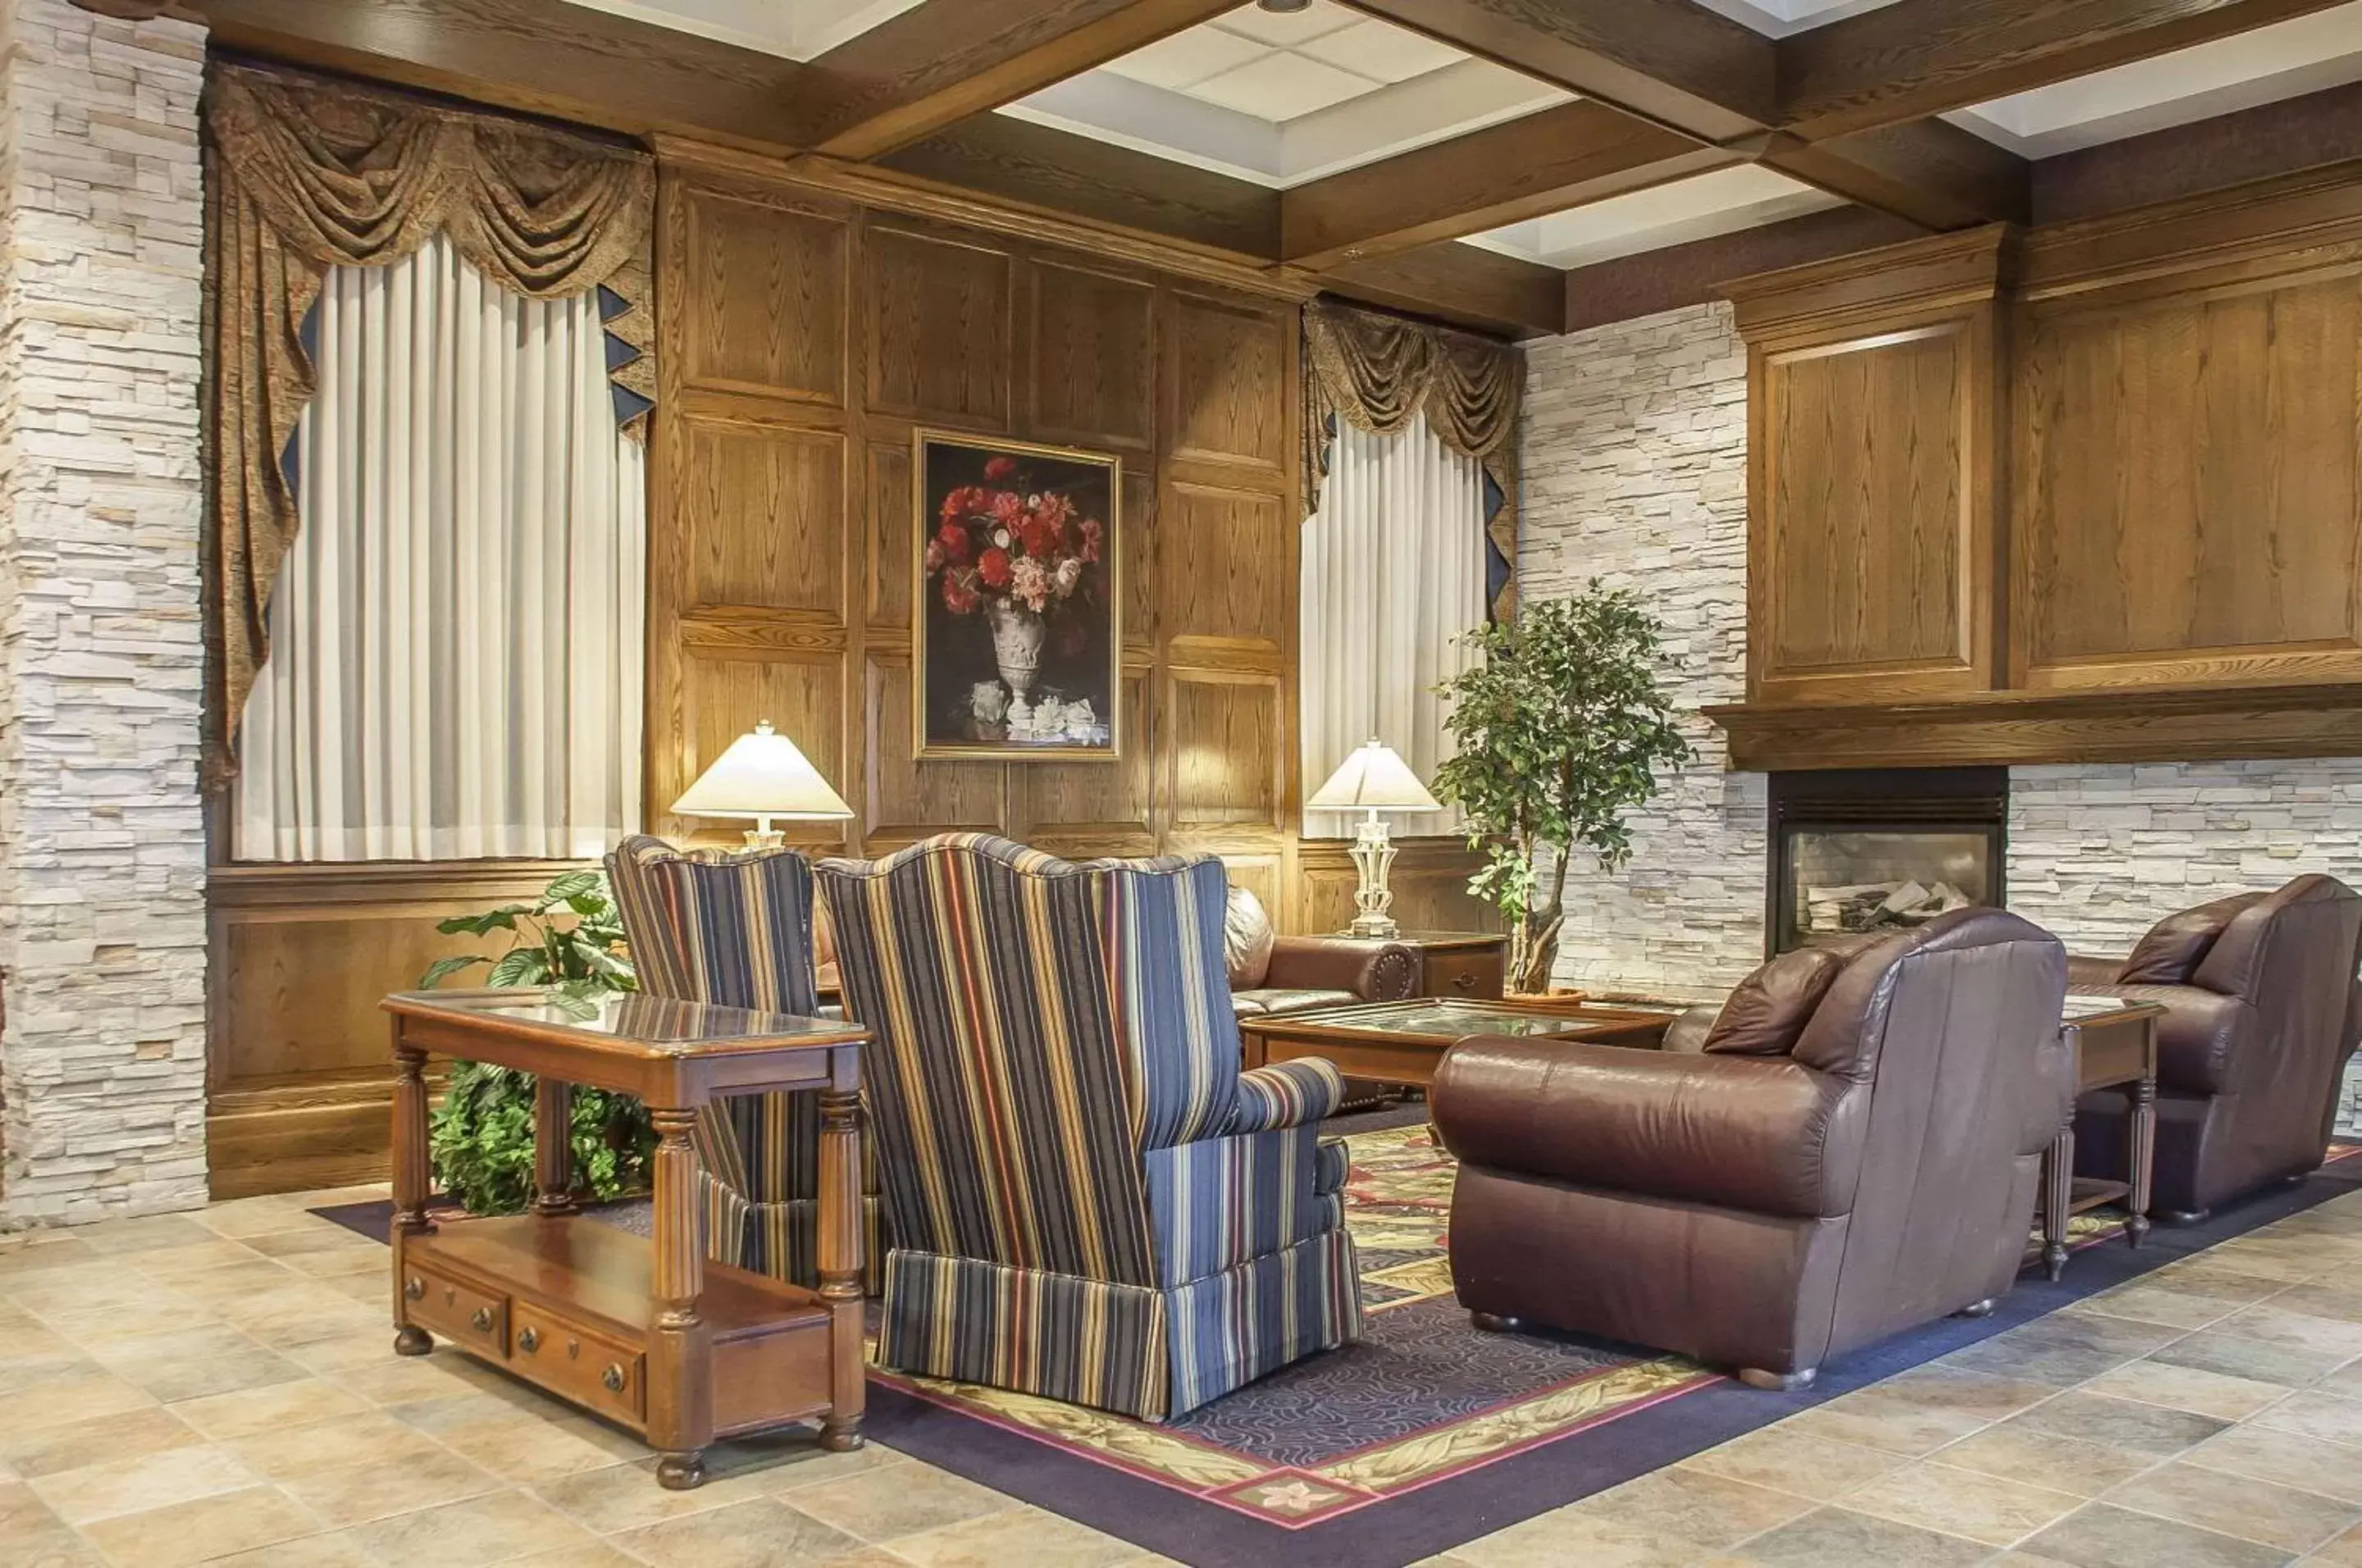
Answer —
(1560, 729)
(570, 940)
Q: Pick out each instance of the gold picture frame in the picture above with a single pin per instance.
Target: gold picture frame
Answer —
(1017, 603)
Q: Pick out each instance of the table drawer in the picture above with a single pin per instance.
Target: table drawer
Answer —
(1474, 972)
(594, 1371)
(459, 1312)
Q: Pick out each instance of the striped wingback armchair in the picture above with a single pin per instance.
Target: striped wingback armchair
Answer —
(735, 930)
(1089, 1201)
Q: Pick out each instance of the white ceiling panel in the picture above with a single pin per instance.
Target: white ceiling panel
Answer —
(1700, 207)
(796, 29)
(1282, 87)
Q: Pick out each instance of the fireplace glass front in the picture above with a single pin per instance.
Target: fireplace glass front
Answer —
(1846, 882)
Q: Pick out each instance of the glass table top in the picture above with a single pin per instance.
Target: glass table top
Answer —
(645, 1021)
(1452, 1016)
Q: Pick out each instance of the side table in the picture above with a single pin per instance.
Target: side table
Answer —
(642, 1331)
(2114, 1044)
(1467, 964)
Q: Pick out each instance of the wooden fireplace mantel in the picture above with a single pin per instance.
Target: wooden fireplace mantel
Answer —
(2130, 724)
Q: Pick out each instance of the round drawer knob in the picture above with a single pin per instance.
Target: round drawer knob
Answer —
(482, 1318)
(413, 1289)
(1464, 982)
(529, 1341)
(614, 1378)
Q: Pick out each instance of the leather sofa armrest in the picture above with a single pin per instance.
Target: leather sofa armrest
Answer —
(1373, 970)
(1688, 1031)
(1760, 1133)
(2092, 977)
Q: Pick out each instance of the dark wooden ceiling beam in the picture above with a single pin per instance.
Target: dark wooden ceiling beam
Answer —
(943, 61)
(1546, 161)
(1918, 58)
(1458, 284)
(1930, 172)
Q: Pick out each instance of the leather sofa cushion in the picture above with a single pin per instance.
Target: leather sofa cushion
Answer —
(1688, 1031)
(2174, 947)
(1247, 939)
(1276, 999)
(1767, 1011)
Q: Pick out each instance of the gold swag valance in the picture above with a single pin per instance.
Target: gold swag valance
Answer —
(303, 174)
(1378, 371)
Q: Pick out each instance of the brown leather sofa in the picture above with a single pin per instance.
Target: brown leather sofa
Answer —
(1855, 1148)
(1271, 973)
(2261, 1013)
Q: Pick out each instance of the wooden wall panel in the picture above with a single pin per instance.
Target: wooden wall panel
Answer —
(1429, 880)
(762, 305)
(1105, 808)
(1093, 353)
(1227, 772)
(1218, 579)
(762, 515)
(906, 798)
(803, 697)
(2220, 537)
(1226, 361)
(939, 329)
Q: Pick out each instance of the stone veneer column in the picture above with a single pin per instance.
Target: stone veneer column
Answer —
(1634, 472)
(102, 836)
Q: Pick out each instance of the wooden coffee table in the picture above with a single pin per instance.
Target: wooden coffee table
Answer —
(1404, 1042)
(2115, 1043)
(642, 1331)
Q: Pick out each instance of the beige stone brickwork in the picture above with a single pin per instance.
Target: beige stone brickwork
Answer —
(102, 836)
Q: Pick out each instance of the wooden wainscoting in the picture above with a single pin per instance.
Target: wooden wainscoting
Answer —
(1429, 881)
(299, 1078)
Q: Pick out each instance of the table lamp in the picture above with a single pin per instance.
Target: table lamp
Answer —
(762, 776)
(1374, 780)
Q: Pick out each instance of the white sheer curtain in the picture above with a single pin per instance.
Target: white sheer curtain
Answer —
(455, 665)
(1393, 569)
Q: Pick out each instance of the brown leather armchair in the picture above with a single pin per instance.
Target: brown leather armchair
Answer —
(1271, 973)
(2261, 1013)
(1855, 1148)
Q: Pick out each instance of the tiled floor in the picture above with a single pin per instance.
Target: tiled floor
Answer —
(218, 1387)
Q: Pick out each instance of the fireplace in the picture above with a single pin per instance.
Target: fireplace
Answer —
(1884, 849)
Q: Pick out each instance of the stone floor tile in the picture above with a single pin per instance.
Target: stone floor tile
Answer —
(2272, 1325)
(1027, 1535)
(1795, 1462)
(2341, 1302)
(1712, 1510)
(75, 1392)
(1566, 1537)
(2327, 1468)
(137, 1484)
(373, 1488)
(625, 1496)
(2017, 1452)
(2120, 1423)
(1967, 1503)
(2100, 1535)
(2064, 1348)
(2238, 1505)
(147, 1233)
(34, 1535)
(600, 1554)
(2333, 1418)
(2346, 1552)
(1874, 1418)
(1985, 1395)
(883, 1506)
(191, 1362)
(275, 1407)
(70, 1445)
(492, 1528)
(2190, 1388)
(759, 1532)
(288, 1452)
(331, 1549)
(1838, 1538)
(2144, 1303)
(2212, 1350)
(204, 1528)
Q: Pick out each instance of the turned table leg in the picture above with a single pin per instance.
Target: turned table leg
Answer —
(553, 1146)
(680, 1366)
(840, 1263)
(2143, 1150)
(411, 1179)
(2057, 1196)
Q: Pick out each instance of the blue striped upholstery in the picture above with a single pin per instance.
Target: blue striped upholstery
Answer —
(1088, 1200)
(736, 931)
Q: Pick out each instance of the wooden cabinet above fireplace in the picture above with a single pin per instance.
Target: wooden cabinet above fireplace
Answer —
(2090, 493)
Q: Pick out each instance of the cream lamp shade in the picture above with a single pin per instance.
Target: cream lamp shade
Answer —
(764, 775)
(1376, 779)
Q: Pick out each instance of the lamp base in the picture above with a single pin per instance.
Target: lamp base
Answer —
(1379, 926)
(1373, 855)
(761, 838)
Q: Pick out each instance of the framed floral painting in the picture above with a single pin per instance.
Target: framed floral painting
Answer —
(1018, 598)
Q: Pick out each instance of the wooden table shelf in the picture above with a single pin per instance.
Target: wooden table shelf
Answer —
(642, 1331)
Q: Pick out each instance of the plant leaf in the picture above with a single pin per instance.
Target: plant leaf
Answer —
(442, 968)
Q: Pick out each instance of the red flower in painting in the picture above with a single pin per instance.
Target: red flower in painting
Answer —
(1007, 509)
(954, 541)
(997, 471)
(993, 567)
(1091, 530)
(959, 591)
(1039, 534)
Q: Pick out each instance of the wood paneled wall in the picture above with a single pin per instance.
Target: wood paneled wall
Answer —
(2061, 496)
(803, 338)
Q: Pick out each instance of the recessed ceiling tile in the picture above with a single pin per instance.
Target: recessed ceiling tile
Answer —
(1186, 57)
(1286, 28)
(1279, 87)
(1383, 50)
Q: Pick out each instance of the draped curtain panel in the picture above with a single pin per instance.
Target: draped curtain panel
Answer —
(303, 175)
(456, 633)
(1393, 571)
(1377, 373)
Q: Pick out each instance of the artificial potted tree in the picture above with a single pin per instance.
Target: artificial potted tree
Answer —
(1560, 729)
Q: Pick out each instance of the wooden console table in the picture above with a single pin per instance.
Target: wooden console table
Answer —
(2114, 1046)
(641, 1330)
